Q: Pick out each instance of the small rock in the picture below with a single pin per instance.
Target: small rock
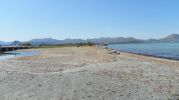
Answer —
(40, 85)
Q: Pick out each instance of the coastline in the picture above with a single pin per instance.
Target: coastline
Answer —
(149, 55)
(88, 73)
(145, 57)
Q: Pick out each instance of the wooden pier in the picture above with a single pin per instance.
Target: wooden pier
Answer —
(12, 48)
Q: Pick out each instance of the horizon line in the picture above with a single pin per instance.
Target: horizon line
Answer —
(88, 38)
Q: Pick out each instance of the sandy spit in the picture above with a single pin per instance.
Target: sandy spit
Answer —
(88, 73)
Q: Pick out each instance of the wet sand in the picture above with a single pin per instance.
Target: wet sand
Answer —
(88, 73)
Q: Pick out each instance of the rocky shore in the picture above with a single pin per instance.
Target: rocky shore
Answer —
(88, 73)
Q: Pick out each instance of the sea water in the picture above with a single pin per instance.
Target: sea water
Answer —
(13, 54)
(163, 50)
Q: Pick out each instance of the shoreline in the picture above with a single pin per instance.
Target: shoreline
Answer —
(147, 55)
(146, 58)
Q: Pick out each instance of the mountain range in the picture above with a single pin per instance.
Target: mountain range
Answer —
(48, 41)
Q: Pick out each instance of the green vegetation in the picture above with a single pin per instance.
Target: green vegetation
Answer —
(64, 45)
(26, 44)
(85, 44)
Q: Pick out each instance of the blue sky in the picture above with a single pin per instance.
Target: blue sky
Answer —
(60, 19)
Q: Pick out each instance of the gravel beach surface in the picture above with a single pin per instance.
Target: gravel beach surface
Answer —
(88, 73)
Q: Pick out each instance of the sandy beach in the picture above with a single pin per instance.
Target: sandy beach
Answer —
(88, 73)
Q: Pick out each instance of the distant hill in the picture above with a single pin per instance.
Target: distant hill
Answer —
(44, 41)
(74, 41)
(115, 40)
(170, 38)
(15, 43)
(51, 41)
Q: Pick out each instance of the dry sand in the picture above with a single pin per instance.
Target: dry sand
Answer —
(88, 73)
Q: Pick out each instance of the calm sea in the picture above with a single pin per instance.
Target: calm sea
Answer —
(163, 50)
(14, 54)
